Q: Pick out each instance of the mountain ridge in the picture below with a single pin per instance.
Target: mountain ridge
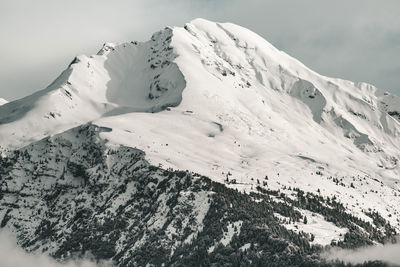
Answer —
(99, 98)
(242, 97)
(217, 100)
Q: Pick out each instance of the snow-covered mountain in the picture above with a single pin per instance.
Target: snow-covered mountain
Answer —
(217, 100)
(3, 101)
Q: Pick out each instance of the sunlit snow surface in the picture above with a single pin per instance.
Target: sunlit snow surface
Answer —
(223, 125)
(324, 232)
(237, 106)
(3, 101)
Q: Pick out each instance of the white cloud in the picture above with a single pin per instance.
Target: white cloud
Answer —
(388, 253)
(13, 256)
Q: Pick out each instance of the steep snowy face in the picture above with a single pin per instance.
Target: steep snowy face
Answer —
(240, 89)
(249, 110)
(130, 77)
(248, 68)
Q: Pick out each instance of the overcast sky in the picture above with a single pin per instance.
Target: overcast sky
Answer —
(357, 40)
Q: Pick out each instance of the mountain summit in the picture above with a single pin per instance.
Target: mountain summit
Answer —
(3, 101)
(218, 100)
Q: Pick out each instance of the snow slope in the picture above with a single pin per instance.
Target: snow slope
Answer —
(3, 101)
(219, 100)
(324, 232)
(127, 77)
(249, 110)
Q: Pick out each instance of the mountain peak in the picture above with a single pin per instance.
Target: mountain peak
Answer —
(224, 75)
(3, 101)
(219, 101)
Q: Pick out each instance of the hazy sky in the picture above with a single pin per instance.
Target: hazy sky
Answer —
(357, 40)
